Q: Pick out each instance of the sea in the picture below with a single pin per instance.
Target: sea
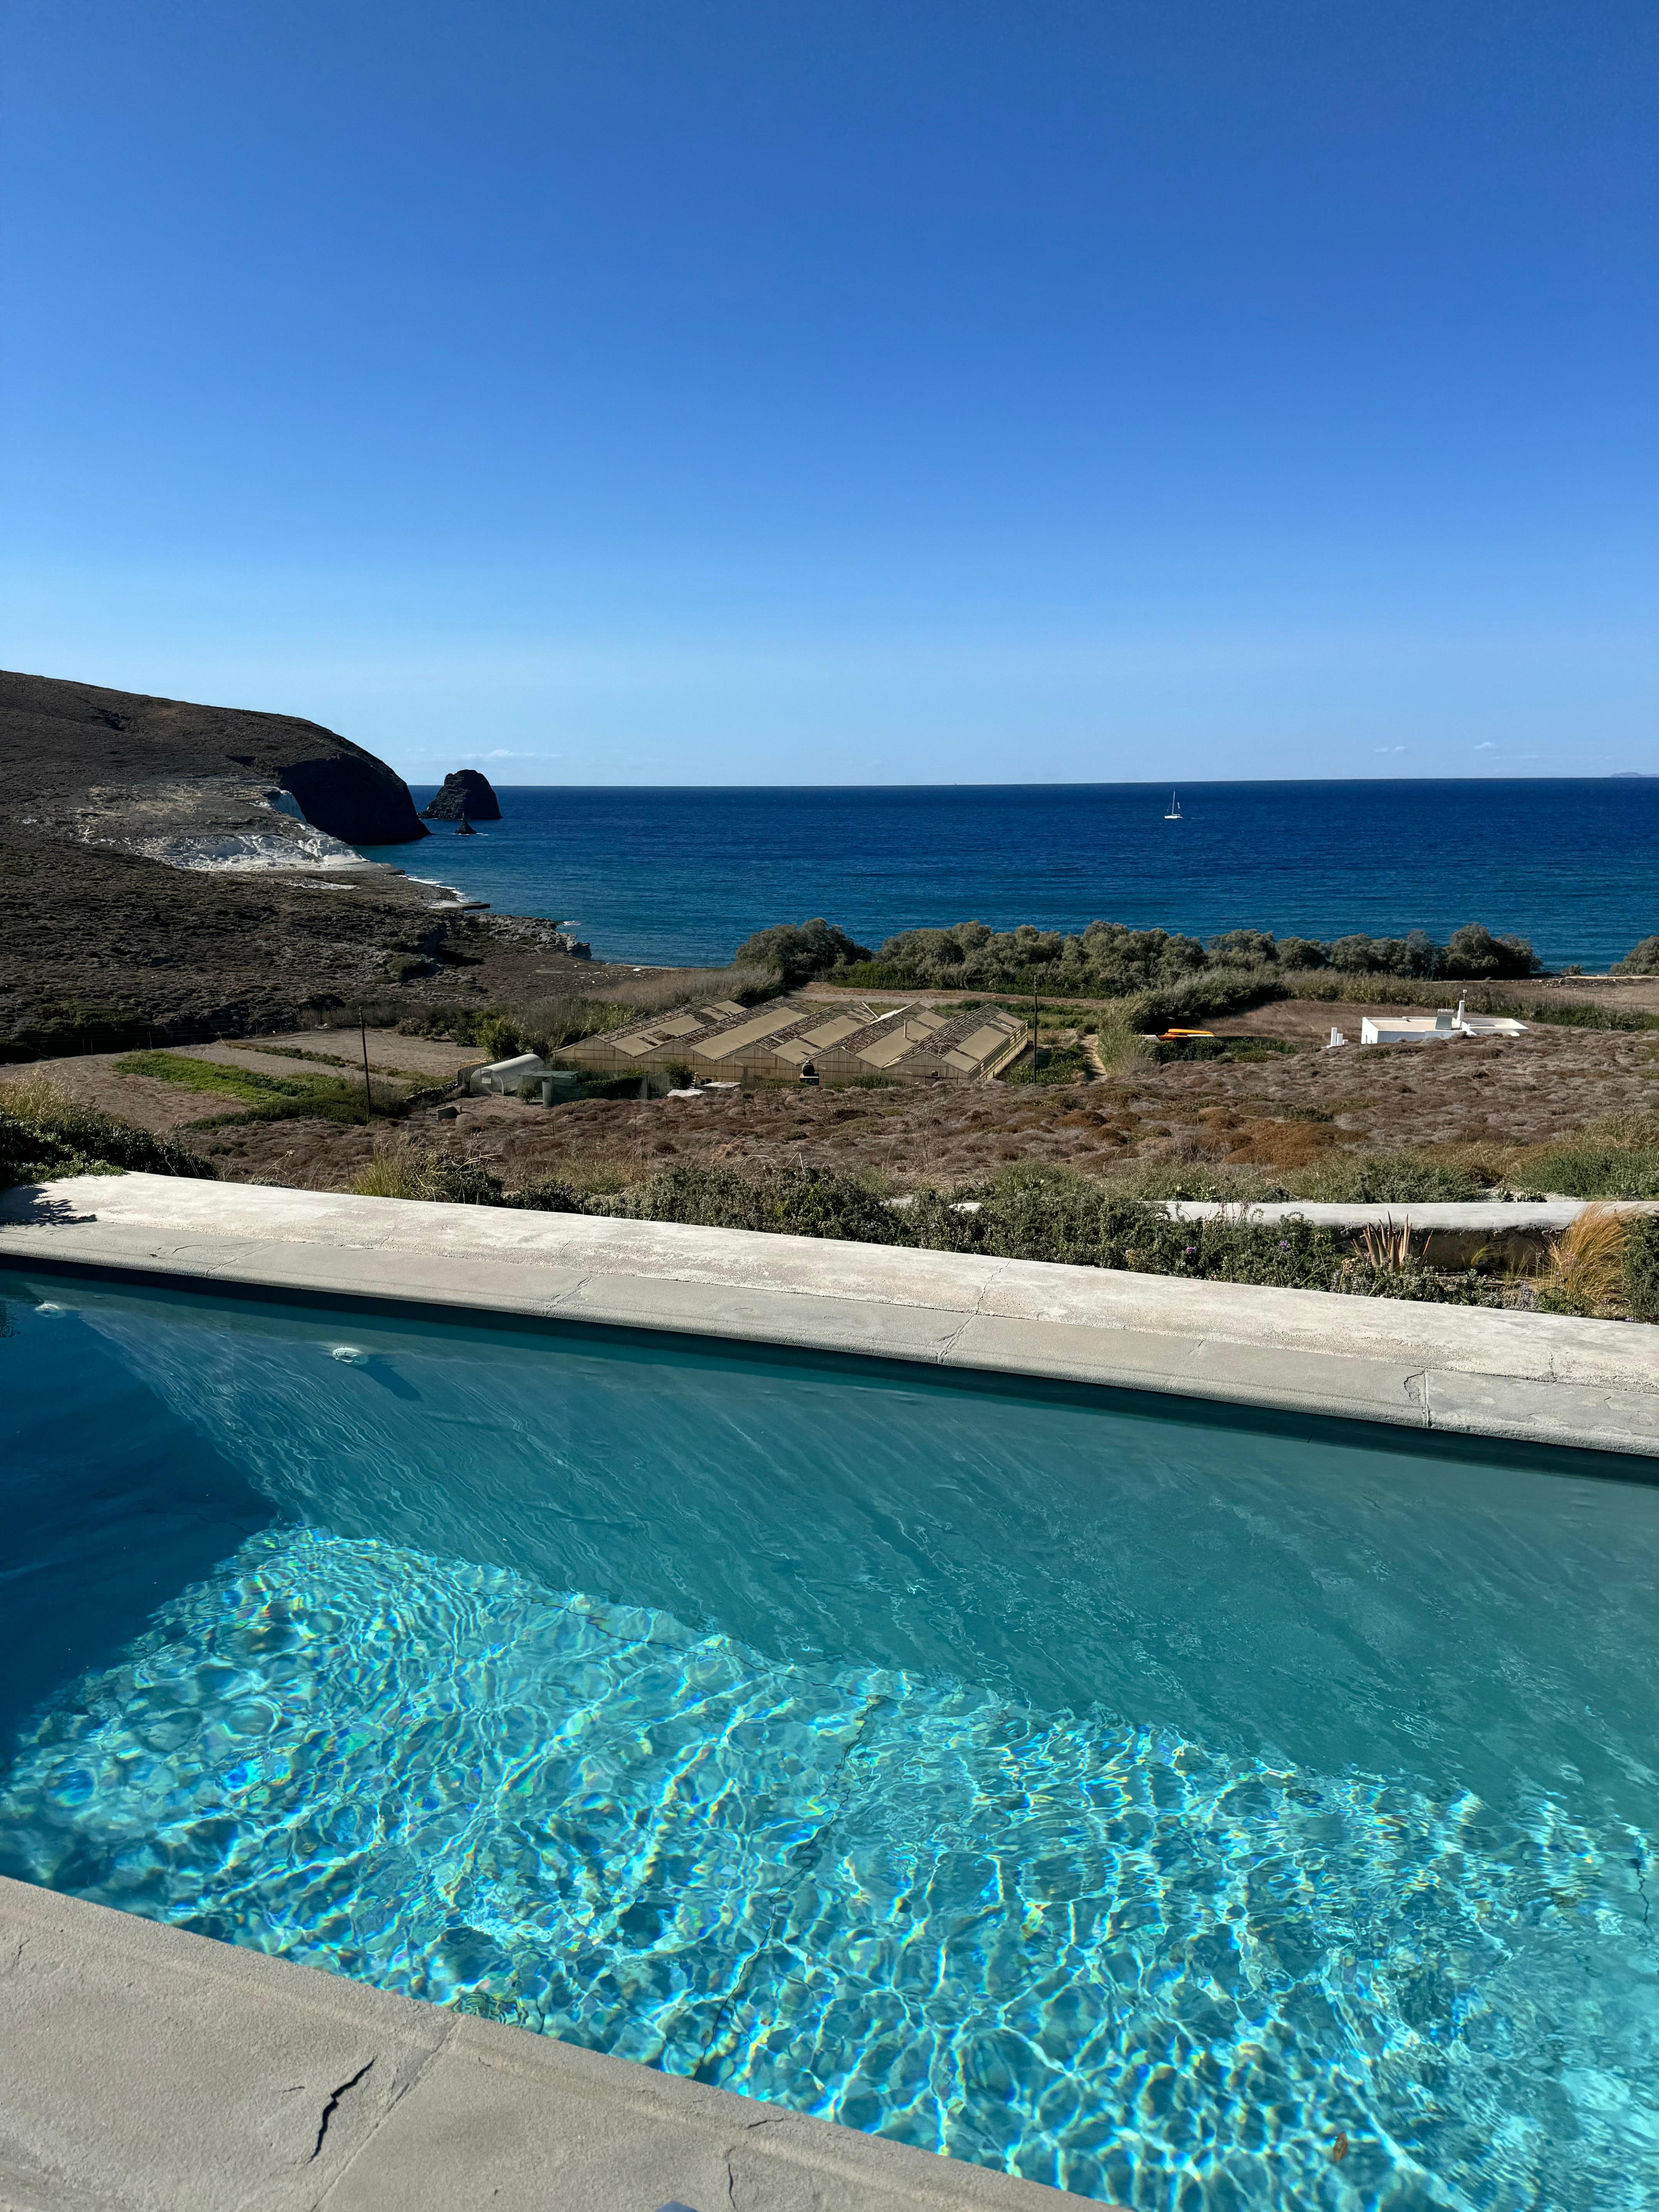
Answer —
(677, 876)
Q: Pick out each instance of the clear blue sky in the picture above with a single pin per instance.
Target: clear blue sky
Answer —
(818, 391)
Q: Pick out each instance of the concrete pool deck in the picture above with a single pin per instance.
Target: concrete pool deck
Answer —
(1476, 1371)
(148, 2069)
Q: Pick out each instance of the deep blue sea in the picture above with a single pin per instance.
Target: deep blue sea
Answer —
(684, 876)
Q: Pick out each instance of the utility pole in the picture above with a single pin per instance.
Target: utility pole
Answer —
(362, 1038)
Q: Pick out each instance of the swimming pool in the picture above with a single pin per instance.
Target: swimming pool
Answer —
(1180, 1808)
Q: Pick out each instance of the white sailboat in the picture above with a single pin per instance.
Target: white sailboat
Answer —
(1174, 814)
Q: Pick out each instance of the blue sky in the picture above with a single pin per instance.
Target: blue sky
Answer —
(705, 392)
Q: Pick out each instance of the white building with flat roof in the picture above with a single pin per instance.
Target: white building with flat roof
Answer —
(1412, 1028)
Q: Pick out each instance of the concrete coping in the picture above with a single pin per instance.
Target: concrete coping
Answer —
(1591, 1385)
(1498, 1217)
(149, 2070)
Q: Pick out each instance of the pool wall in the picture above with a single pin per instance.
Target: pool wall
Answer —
(1590, 1385)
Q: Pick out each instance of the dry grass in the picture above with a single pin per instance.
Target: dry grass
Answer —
(1586, 1259)
(687, 987)
(389, 1175)
(605, 1165)
(1284, 1145)
(1122, 1047)
(34, 1099)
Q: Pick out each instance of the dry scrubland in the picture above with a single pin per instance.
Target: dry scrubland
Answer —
(1488, 1108)
(1483, 1105)
(1059, 1168)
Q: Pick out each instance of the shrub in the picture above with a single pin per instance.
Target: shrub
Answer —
(1109, 960)
(1056, 1215)
(788, 1202)
(1164, 1050)
(1641, 1283)
(547, 1194)
(1242, 948)
(1300, 952)
(1217, 991)
(429, 1175)
(1642, 959)
(1386, 1179)
(1590, 1170)
(499, 1037)
(44, 1133)
(799, 951)
(1064, 1063)
(1473, 953)
(1581, 1014)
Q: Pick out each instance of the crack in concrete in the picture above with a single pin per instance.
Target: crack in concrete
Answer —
(985, 1290)
(333, 2107)
(730, 2152)
(400, 2089)
(1417, 1394)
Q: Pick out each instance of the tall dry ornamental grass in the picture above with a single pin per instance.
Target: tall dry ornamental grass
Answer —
(1586, 1259)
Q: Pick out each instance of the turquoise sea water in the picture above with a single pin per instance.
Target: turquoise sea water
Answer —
(1150, 1801)
(684, 876)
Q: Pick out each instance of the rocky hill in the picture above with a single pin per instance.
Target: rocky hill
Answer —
(174, 870)
(191, 785)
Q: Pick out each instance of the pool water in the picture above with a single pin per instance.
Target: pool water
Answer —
(1182, 1809)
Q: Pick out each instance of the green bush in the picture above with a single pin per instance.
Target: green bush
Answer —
(43, 1134)
(1027, 1212)
(799, 951)
(1219, 991)
(547, 1194)
(1109, 960)
(786, 1201)
(1642, 959)
(1165, 1050)
(498, 1037)
(1062, 1217)
(1595, 1170)
(1385, 1179)
(1581, 1014)
(1058, 1063)
(429, 1175)
(1642, 1268)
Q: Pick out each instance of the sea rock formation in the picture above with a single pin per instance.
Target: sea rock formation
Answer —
(196, 786)
(465, 797)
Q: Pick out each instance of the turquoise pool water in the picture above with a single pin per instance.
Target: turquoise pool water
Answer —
(1186, 1811)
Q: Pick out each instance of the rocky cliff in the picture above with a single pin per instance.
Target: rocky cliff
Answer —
(465, 797)
(195, 786)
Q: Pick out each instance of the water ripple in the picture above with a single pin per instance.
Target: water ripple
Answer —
(1095, 1955)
